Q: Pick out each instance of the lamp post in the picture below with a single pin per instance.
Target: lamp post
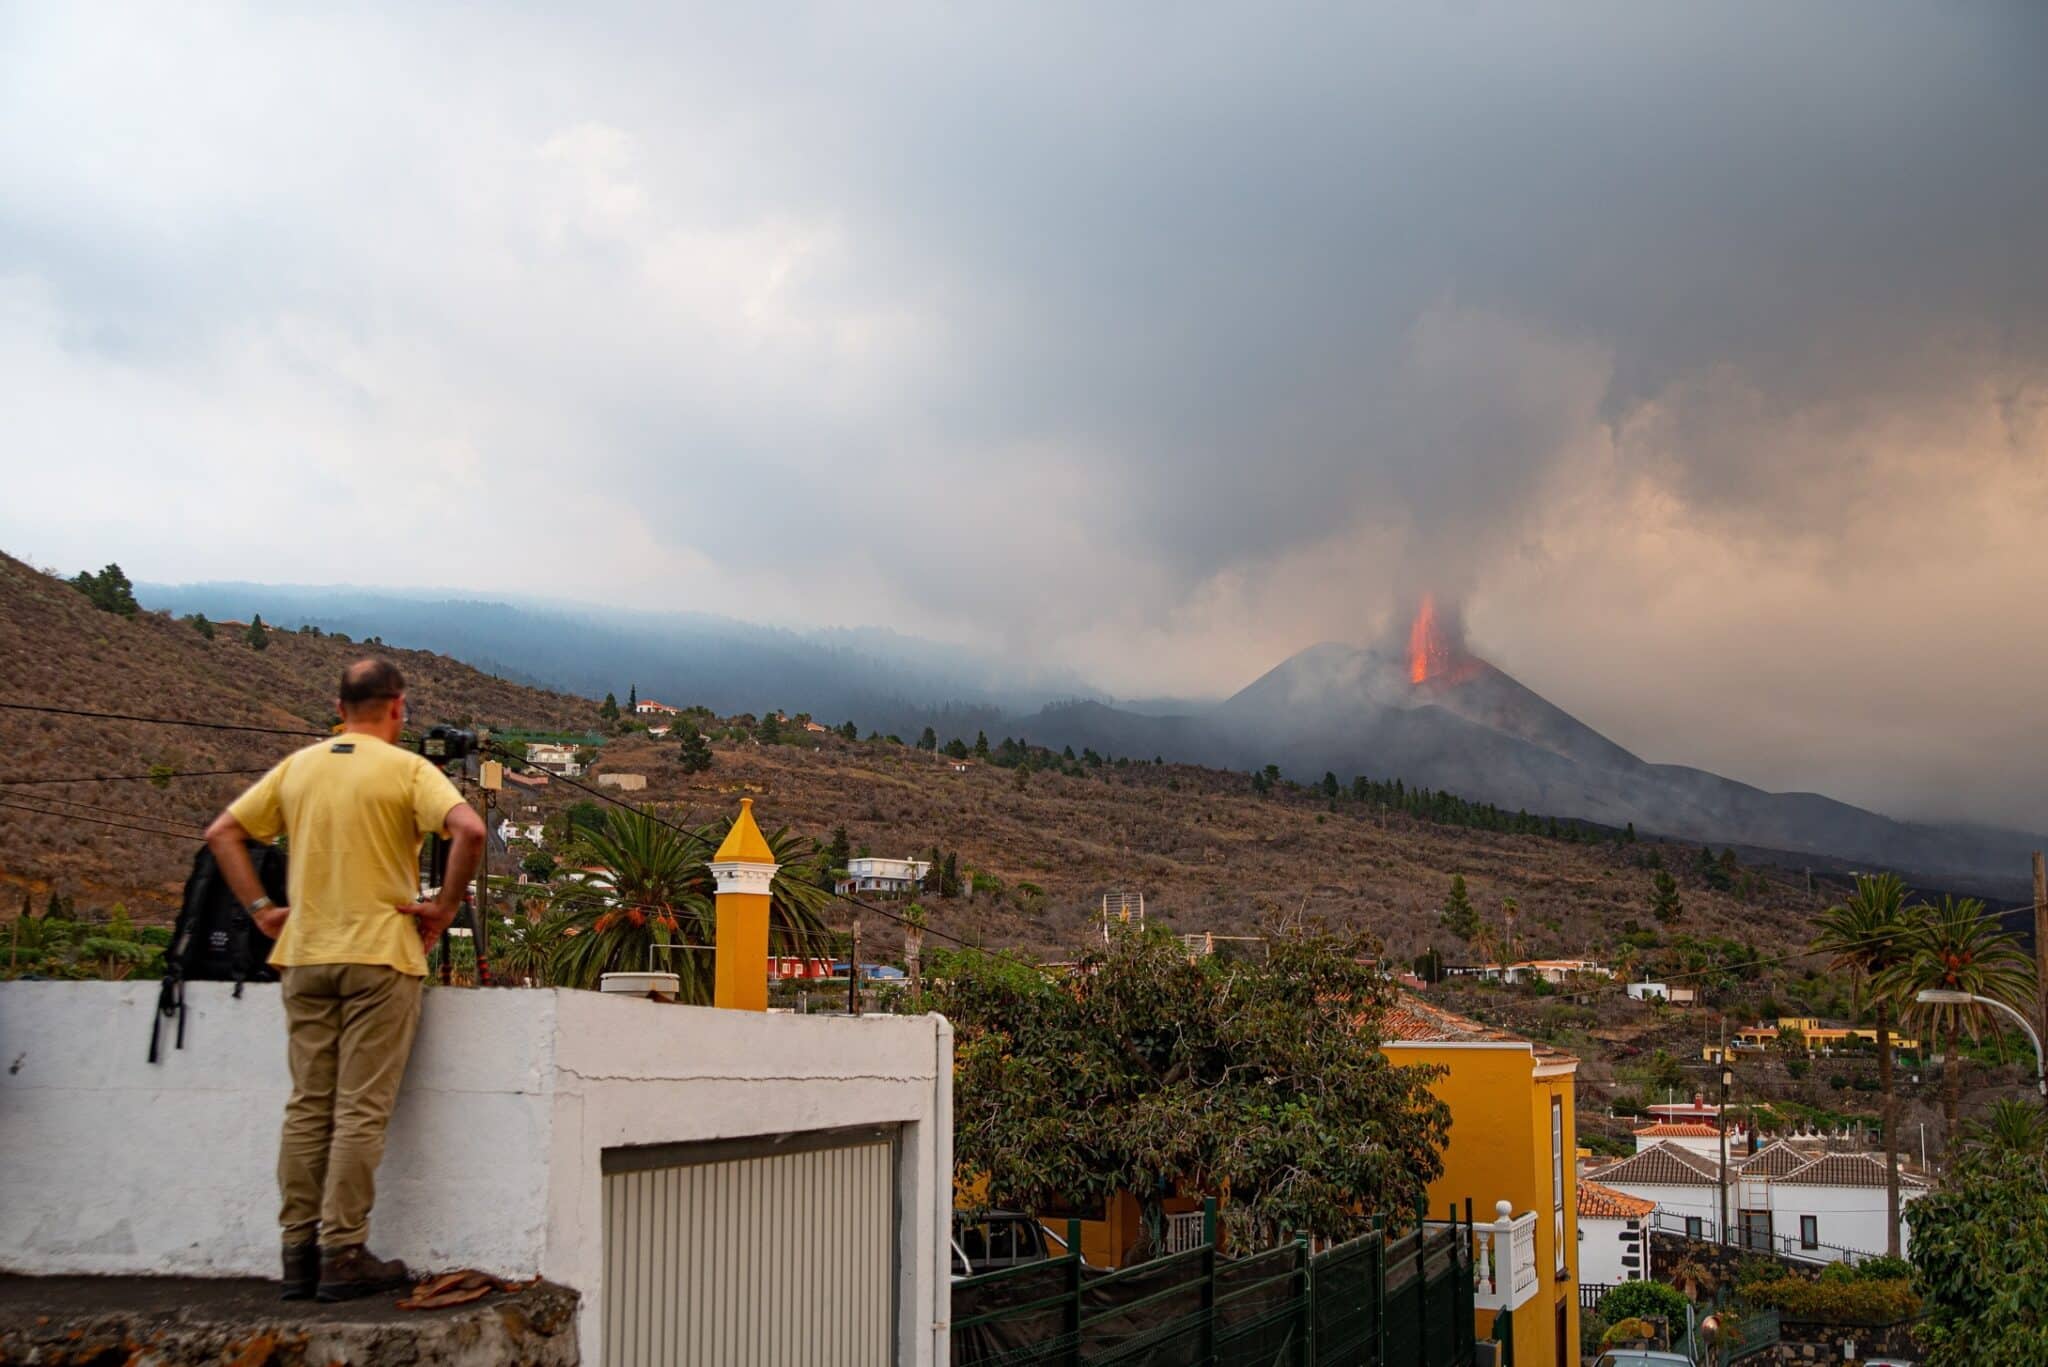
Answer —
(1721, 1118)
(1941, 996)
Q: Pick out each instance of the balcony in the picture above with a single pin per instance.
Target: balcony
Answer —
(1504, 1260)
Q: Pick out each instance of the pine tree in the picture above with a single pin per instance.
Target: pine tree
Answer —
(848, 731)
(695, 752)
(202, 626)
(981, 744)
(258, 635)
(609, 708)
(1459, 916)
(1330, 788)
(935, 871)
(632, 697)
(929, 740)
(839, 853)
(769, 732)
(1664, 903)
(109, 591)
(949, 883)
(956, 748)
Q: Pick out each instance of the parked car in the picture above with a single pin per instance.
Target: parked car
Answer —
(1642, 1357)
(992, 1239)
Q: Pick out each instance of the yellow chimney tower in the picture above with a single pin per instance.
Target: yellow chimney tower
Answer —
(744, 867)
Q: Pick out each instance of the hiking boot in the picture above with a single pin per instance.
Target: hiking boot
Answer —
(301, 1271)
(347, 1273)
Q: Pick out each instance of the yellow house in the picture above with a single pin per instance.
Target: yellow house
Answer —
(1513, 1134)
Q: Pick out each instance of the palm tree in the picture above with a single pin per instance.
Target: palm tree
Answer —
(2012, 1125)
(654, 891)
(1864, 937)
(1955, 947)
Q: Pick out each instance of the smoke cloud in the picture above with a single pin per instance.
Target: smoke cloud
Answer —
(1700, 355)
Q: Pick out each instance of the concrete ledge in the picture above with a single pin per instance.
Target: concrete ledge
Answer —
(175, 1321)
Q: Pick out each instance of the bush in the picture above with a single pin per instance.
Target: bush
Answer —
(1629, 1331)
(1837, 1300)
(1638, 1300)
(1884, 1268)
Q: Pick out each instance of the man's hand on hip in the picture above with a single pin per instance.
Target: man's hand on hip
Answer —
(434, 917)
(270, 920)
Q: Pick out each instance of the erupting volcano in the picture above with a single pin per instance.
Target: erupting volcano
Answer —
(1436, 650)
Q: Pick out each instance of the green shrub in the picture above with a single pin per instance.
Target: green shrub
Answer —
(1837, 1301)
(1639, 1300)
(1835, 1274)
(1629, 1331)
(1884, 1268)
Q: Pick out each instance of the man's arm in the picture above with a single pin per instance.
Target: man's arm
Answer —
(228, 840)
(465, 852)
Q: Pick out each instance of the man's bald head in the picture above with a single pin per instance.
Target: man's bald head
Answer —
(368, 687)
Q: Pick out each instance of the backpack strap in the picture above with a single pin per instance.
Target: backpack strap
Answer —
(170, 1002)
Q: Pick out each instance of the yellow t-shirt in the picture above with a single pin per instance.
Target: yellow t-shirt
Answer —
(356, 810)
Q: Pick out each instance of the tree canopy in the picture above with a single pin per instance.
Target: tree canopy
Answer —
(1980, 1240)
(109, 590)
(1142, 1070)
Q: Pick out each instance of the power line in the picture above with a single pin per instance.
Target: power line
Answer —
(154, 721)
(97, 821)
(99, 809)
(132, 778)
(1809, 953)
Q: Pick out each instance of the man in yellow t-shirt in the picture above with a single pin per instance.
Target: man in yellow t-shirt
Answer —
(352, 947)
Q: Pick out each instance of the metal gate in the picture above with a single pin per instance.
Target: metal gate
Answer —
(755, 1252)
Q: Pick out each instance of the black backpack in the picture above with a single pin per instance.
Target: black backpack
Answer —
(215, 940)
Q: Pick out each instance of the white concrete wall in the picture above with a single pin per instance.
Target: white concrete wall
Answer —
(118, 1166)
(1678, 1202)
(115, 1166)
(1850, 1217)
(1601, 1251)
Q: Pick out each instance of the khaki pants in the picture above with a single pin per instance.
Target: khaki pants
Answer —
(351, 1030)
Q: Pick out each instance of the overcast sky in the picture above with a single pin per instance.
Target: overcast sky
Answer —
(1701, 352)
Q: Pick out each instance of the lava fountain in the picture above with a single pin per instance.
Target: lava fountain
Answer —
(1436, 649)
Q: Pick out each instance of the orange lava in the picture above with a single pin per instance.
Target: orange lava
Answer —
(1422, 642)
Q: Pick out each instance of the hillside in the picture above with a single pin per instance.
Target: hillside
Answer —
(1206, 851)
(61, 650)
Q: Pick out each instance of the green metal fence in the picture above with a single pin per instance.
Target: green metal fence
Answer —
(1372, 1302)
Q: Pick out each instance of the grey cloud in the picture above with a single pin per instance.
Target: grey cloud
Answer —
(1219, 330)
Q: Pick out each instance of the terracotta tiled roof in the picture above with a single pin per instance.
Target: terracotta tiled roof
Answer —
(1661, 1165)
(1415, 1021)
(1605, 1203)
(1776, 1159)
(1680, 1129)
(1846, 1170)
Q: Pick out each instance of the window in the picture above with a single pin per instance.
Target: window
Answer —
(1809, 1231)
(1692, 1226)
(1557, 1179)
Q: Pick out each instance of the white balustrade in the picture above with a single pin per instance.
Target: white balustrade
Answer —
(1504, 1260)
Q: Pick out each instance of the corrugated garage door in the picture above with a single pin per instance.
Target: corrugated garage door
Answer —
(775, 1250)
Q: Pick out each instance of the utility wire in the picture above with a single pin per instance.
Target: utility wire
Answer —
(97, 821)
(131, 778)
(154, 721)
(98, 809)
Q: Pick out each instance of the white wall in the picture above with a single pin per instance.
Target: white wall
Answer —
(1601, 1250)
(1850, 1217)
(115, 1166)
(1679, 1202)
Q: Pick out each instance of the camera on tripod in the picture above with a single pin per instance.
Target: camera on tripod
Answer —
(444, 744)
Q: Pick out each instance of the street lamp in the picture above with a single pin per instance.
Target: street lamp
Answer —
(1721, 1122)
(1941, 996)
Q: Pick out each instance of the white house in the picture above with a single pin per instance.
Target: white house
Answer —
(1697, 1136)
(556, 759)
(1794, 1199)
(630, 783)
(1649, 992)
(1682, 1185)
(1614, 1235)
(526, 828)
(648, 707)
(868, 874)
(1554, 971)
